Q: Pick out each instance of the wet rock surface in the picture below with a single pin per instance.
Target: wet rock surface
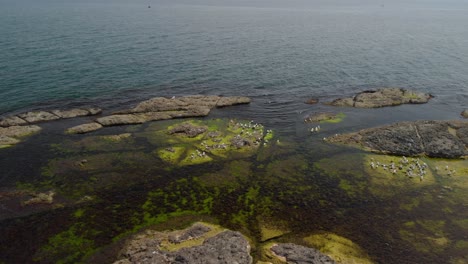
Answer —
(43, 116)
(161, 108)
(440, 139)
(85, 128)
(383, 97)
(296, 254)
(12, 135)
(219, 246)
(188, 130)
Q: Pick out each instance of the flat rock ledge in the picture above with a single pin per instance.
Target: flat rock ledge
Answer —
(12, 135)
(296, 254)
(161, 108)
(43, 116)
(202, 245)
(438, 139)
(383, 97)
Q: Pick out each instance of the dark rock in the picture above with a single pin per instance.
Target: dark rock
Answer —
(85, 128)
(225, 248)
(443, 139)
(188, 130)
(383, 97)
(239, 142)
(312, 101)
(464, 113)
(296, 254)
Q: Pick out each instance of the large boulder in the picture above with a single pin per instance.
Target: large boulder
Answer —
(442, 139)
(383, 97)
(198, 244)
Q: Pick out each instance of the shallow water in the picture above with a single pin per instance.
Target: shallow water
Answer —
(114, 54)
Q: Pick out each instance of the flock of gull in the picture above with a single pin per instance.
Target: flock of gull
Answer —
(248, 130)
(409, 167)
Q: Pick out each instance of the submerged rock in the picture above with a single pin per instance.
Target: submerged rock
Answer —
(324, 117)
(202, 244)
(295, 254)
(312, 101)
(12, 135)
(383, 97)
(443, 139)
(340, 249)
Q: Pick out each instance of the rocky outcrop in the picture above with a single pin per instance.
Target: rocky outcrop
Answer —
(202, 245)
(464, 114)
(383, 97)
(43, 116)
(188, 130)
(85, 128)
(441, 139)
(295, 254)
(12, 135)
(161, 108)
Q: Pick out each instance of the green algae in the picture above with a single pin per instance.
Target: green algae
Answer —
(337, 119)
(214, 141)
(69, 246)
(339, 248)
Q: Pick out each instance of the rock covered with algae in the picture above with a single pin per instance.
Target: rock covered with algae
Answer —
(200, 141)
(201, 243)
(339, 248)
(13, 134)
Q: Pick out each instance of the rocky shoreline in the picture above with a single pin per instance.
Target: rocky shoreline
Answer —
(14, 128)
(383, 97)
(436, 139)
(204, 243)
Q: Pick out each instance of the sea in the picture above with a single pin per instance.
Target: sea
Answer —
(109, 52)
(112, 54)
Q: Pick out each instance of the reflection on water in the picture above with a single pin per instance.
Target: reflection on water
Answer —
(291, 188)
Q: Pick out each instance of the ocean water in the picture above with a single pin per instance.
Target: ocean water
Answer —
(108, 53)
